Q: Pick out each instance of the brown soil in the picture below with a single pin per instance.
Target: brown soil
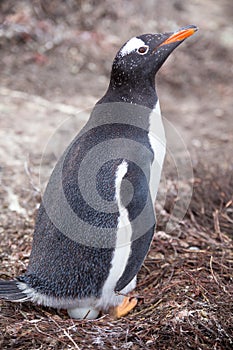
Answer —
(55, 62)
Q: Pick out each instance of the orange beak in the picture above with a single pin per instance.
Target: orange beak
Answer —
(180, 35)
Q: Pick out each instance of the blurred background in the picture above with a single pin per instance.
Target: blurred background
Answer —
(56, 60)
(62, 51)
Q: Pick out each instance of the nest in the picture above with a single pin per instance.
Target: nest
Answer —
(184, 291)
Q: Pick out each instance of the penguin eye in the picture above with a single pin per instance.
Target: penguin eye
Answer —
(143, 50)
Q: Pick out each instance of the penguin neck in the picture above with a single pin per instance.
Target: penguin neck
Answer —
(143, 94)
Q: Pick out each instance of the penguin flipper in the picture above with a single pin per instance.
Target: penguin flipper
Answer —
(9, 290)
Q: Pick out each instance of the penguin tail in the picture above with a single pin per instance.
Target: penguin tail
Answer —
(9, 290)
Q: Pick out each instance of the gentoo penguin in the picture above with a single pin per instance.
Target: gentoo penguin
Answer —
(96, 220)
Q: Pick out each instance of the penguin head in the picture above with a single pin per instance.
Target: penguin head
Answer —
(140, 58)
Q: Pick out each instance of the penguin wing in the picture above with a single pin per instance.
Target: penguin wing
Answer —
(136, 200)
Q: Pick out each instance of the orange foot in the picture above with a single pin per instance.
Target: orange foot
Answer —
(125, 307)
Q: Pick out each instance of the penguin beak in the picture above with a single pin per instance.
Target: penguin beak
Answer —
(180, 35)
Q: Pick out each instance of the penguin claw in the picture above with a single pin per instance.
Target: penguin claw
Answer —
(125, 307)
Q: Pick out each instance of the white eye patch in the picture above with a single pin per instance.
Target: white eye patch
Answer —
(131, 45)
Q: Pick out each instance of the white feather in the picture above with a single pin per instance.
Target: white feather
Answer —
(158, 143)
(131, 45)
(60, 303)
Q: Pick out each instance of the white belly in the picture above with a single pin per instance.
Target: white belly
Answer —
(158, 143)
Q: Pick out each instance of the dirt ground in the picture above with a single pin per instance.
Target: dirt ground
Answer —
(55, 63)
